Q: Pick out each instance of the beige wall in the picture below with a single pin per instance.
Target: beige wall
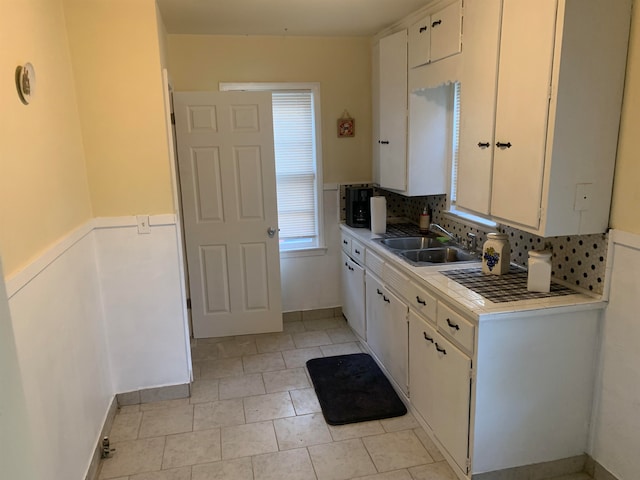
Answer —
(626, 188)
(116, 57)
(43, 187)
(341, 65)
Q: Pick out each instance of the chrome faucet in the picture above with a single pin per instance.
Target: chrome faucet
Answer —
(472, 242)
(439, 229)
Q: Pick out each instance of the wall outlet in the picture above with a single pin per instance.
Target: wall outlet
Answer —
(143, 224)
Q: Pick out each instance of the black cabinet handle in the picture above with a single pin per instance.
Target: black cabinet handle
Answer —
(386, 299)
(441, 350)
(436, 23)
(346, 264)
(453, 325)
(423, 29)
(384, 142)
(484, 144)
(345, 242)
(427, 338)
(357, 252)
(420, 301)
(503, 145)
(378, 291)
(351, 268)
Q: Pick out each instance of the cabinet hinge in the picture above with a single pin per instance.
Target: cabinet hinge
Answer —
(468, 462)
(472, 374)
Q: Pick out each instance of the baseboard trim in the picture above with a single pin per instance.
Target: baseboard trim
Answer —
(537, 471)
(94, 465)
(314, 314)
(597, 471)
(158, 394)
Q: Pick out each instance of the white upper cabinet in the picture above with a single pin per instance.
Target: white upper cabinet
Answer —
(392, 137)
(541, 93)
(436, 36)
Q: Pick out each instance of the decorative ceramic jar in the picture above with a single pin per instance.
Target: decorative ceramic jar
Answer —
(539, 277)
(496, 254)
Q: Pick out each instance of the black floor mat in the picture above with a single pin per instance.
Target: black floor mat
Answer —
(352, 388)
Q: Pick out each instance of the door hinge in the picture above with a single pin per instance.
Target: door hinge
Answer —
(472, 374)
(468, 462)
(173, 118)
(188, 303)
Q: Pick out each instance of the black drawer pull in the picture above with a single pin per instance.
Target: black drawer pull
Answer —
(503, 145)
(484, 144)
(420, 301)
(436, 23)
(386, 299)
(441, 350)
(350, 268)
(378, 291)
(453, 325)
(427, 338)
(345, 242)
(384, 142)
(423, 29)
(357, 252)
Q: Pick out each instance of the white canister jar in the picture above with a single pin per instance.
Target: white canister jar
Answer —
(496, 254)
(539, 277)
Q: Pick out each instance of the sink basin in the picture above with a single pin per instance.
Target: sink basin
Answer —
(410, 243)
(438, 255)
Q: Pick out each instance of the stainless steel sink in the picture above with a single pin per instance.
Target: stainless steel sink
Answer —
(427, 250)
(410, 243)
(438, 255)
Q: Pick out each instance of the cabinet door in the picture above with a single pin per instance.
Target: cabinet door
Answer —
(353, 299)
(524, 83)
(393, 111)
(445, 31)
(452, 397)
(376, 335)
(419, 42)
(397, 339)
(422, 375)
(478, 104)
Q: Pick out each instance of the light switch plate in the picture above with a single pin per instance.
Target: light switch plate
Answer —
(143, 224)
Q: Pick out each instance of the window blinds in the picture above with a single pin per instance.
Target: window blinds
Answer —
(294, 141)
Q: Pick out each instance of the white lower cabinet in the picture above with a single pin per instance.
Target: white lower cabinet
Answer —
(440, 379)
(353, 302)
(387, 329)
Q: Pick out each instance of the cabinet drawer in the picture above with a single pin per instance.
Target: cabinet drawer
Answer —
(421, 301)
(346, 243)
(374, 263)
(357, 251)
(395, 279)
(456, 327)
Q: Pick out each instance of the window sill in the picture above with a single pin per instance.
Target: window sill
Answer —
(303, 252)
(470, 220)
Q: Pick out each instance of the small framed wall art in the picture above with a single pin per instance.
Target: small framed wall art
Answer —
(346, 125)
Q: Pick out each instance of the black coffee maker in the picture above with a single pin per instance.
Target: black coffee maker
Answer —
(358, 206)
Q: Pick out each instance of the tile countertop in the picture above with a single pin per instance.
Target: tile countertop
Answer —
(478, 306)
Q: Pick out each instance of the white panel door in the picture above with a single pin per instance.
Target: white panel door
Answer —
(376, 335)
(522, 111)
(422, 367)
(227, 177)
(353, 303)
(396, 357)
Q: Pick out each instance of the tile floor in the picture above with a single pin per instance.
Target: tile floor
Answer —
(253, 414)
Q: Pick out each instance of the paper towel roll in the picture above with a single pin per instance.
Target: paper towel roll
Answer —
(378, 215)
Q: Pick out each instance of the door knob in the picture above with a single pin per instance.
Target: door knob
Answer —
(272, 231)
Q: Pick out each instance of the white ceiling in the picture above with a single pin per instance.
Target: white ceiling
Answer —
(284, 17)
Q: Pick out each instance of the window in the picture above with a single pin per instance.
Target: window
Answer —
(454, 165)
(296, 130)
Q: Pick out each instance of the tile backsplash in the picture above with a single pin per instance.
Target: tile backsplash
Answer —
(578, 260)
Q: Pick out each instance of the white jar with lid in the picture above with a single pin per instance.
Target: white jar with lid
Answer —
(496, 254)
(539, 277)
